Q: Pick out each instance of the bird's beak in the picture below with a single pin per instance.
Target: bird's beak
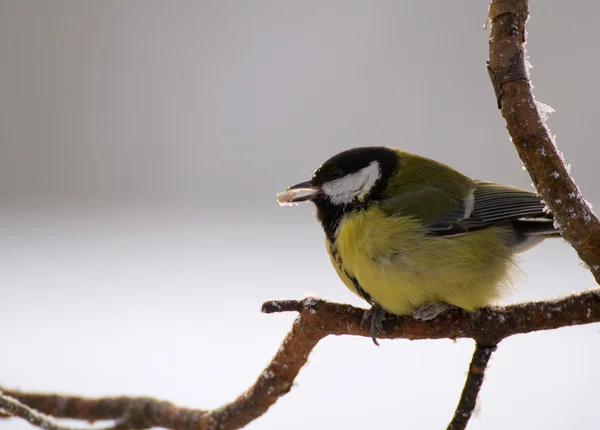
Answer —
(298, 193)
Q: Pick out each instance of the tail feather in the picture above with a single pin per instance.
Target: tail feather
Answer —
(537, 227)
(529, 233)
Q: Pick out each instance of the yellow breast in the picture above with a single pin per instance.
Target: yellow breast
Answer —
(392, 262)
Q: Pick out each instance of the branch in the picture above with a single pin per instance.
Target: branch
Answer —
(531, 137)
(487, 326)
(468, 398)
(318, 319)
(135, 413)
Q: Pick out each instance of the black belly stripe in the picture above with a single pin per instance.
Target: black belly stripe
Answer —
(361, 292)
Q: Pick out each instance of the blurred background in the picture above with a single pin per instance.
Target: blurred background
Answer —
(142, 145)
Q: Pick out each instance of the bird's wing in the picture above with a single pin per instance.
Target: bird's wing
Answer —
(487, 204)
(440, 211)
(495, 203)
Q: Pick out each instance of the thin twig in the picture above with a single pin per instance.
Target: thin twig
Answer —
(130, 413)
(274, 306)
(531, 136)
(14, 408)
(468, 397)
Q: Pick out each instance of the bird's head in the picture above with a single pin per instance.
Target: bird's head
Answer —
(347, 181)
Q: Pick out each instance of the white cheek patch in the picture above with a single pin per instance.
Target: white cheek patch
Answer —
(347, 188)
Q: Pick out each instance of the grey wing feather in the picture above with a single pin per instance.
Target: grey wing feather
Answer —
(498, 204)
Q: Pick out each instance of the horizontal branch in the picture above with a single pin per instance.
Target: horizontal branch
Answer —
(487, 326)
(531, 136)
(318, 319)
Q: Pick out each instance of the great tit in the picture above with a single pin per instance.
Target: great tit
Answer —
(413, 236)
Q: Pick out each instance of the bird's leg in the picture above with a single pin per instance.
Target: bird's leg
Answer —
(376, 315)
(429, 311)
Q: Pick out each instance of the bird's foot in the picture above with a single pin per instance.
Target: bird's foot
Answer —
(375, 316)
(429, 311)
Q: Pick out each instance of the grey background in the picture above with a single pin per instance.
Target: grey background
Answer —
(142, 145)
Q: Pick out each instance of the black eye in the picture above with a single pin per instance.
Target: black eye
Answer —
(336, 174)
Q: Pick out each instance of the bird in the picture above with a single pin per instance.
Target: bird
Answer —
(413, 236)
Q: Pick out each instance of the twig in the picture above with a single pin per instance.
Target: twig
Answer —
(318, 319)
(468, 397)
(274, 306)
(531, 137)
(17, 409)
(130, 413)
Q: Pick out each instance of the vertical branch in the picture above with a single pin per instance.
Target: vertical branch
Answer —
(531, 137)
(468, 397)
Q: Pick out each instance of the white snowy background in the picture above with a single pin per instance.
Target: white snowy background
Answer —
(141, 147)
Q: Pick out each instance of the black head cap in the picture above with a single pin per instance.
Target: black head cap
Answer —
(355, 159)
(330, 212)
